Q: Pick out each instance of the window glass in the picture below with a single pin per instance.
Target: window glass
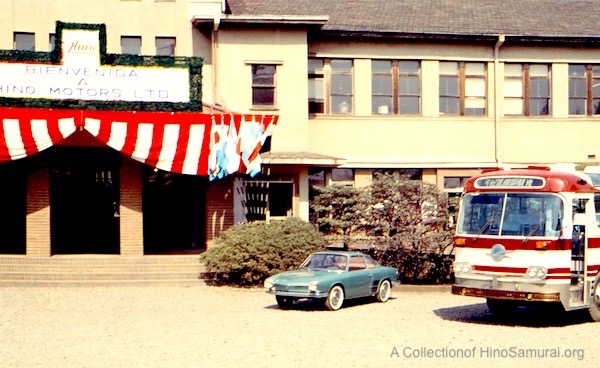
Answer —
(357, 263)
(341, 86)
(381, 87)
(131, 45)
(316, 100)
(24, 41)
(263, 85)
(342, 175)
(165, 46)
(409, 87)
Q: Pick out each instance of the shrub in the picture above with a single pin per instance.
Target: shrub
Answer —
(408, 221)
(246, 254)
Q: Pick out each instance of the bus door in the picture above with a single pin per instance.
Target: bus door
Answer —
(578, 246)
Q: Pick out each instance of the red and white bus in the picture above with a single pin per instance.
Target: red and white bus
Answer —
(529, 235)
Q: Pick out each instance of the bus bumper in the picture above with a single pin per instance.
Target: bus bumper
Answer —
(526, 296)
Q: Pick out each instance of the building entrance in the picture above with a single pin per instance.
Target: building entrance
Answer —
(173, 206)
(84, 200)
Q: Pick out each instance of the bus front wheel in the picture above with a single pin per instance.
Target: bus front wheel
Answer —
(594, 308)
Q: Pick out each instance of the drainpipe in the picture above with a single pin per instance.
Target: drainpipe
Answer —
(214, 50)
(497, 153)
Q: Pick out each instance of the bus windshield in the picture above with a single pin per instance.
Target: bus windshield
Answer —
(511, 214)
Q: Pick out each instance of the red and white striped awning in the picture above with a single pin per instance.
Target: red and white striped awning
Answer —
(181, 142)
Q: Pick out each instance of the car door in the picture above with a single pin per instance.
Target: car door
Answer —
(359, 278)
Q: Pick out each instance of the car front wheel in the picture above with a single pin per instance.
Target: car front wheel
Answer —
(384, 291)
(335, 298)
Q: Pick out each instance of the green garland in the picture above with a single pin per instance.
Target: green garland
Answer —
(194, 65)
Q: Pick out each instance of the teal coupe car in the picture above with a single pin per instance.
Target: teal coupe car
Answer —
(333, 277)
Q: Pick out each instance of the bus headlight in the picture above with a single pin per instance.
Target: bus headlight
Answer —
(536, 272)
(462, 267)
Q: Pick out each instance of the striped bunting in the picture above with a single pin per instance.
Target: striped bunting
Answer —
(180, 142)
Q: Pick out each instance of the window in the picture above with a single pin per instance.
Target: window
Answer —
(131, 45)
(455, 183)
(462, 88)
(52, 41)
(263, 85)
(24, 41)
(341, 86)
(330, 86)
(526, 89)
(584, 89)
(316, 77)
(342, 176)
(396, 87)
(357, 263)
(165, 46)
(267, 199)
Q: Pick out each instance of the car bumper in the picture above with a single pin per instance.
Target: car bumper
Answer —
(297, 294)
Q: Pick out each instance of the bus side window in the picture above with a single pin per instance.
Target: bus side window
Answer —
(597, 206)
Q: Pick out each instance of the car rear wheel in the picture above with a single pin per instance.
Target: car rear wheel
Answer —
(284, 302)
(594, 308)
(335, 298)
(384, 291)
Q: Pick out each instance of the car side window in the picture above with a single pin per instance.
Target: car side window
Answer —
(370, 262)
(357, 263)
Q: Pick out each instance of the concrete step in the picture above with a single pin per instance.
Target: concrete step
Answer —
(100, 268)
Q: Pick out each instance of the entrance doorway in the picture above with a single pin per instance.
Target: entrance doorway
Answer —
(13, 196)
(173, 207)
(84, 200)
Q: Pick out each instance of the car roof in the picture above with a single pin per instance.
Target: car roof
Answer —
(341, 253)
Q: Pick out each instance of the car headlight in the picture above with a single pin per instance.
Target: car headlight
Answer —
(313, 286)
(536, 272)
(269, 285)
(462, 267)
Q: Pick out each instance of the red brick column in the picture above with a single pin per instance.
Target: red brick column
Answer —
(38, 214)
(132, 221)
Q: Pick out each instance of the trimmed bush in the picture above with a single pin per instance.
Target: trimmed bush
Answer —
(246, 254)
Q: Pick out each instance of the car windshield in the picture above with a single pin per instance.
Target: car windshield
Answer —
(520, 214)
(326, 261)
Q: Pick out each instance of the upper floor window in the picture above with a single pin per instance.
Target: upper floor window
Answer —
(24, 41)
(526, 89)
(396, 87)
(52, 41)
(316, 77)
(341, 86)
(330, 87)
(131, 45)
(462, 88)
(263, 85)
(584, 89)
(165, 46)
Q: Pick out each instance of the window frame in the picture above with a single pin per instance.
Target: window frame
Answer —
(327, 75)
(396, 95)
(30, 39)
(589, 100)
(526, 95)
(172, 45)
(463, 77)
(128, 52)
(258, 85)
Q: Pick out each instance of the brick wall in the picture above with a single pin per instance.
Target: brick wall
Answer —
(132, 232)
(38, 214)
(219, 208)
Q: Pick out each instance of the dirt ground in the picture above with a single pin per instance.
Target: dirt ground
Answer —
(204, 326)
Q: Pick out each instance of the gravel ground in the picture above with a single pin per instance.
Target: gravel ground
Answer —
(205, 326)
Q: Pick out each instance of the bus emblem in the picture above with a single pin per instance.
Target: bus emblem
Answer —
(498, 252)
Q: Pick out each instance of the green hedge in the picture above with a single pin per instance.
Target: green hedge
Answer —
(247, 254)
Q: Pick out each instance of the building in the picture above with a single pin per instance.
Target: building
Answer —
(436, 90)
